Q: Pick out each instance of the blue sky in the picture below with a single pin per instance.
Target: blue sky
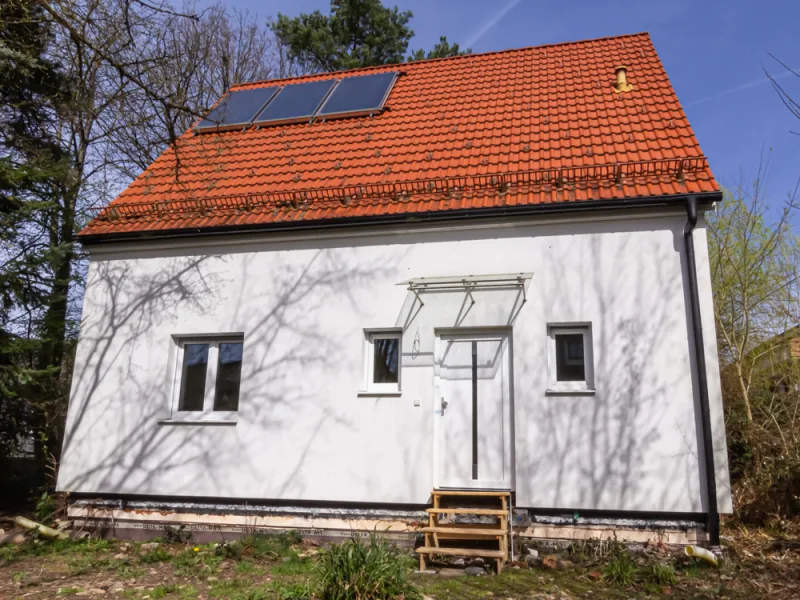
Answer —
(713, 50)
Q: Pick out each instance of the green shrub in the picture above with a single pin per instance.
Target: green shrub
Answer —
(620, 569)
(364, 570)
(45, 508)
(232, 550)
(658, 573)
(579, 551)
(177, 535)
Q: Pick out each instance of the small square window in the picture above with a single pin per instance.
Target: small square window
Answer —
(209, 372)
(382, 361)
(570, 364)
(570, 358)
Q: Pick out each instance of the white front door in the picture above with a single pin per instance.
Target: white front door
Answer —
(473, 411)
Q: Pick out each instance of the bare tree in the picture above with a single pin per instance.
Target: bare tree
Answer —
(200, 60)
(754, 269)
(754, 255)
(789, 98)
(139, 73)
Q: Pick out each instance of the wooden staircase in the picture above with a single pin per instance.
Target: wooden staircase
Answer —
(486, 540)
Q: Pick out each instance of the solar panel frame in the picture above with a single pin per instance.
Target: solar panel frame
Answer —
(306, 116)
(206, 125)
(358, 113)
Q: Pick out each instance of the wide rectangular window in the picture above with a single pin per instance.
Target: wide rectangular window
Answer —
(383, 360)
(570, 358)
(208, 377)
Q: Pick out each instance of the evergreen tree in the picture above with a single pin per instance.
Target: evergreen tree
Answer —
(34, 169)
(443, 49)
(357, 33)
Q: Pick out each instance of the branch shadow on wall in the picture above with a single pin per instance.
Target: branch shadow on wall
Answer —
(632, 445)
(121, 391)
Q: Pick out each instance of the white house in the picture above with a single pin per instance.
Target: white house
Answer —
(341, 292)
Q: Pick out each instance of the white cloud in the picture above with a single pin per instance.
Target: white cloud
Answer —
(739, 88)
(489, 23)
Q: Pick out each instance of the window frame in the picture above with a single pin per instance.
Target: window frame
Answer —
(207, 414)
(369, 387)
(555, 386)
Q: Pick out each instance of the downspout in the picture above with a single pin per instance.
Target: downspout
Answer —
(712, 524)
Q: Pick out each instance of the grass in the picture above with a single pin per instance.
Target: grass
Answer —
(79, 565)
(513, 583)
(156, 555)
(294, 566)
(34, 547)
(620, 569)
(295, 591)
(265, 546)
(275, 568)
(196, 561)
(162, 591)
(236, 589)
(658, 573)
(246, 566)
(127, 571)
(364, 570)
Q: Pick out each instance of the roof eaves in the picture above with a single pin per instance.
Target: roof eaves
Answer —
(705, 198)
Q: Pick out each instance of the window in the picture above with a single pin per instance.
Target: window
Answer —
(570, 358)
(382, 364)
(209, 372)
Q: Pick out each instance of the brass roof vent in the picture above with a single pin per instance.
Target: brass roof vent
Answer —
(622, 84)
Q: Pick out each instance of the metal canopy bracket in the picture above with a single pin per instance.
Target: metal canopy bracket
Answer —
(468, 284)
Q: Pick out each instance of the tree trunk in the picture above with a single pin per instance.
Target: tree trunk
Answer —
(745, 394)
(52, 397)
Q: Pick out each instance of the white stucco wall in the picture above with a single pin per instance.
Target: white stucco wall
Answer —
(304, 433)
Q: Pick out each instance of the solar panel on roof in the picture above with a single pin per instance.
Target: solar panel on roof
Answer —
(296, 102)
(236, 109)
(358, 95)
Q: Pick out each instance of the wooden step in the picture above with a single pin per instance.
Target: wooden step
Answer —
(467, 493)
(461, 552)
(498, 512)
(466, 531)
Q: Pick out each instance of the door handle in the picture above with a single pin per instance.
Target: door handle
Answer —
(444, 404)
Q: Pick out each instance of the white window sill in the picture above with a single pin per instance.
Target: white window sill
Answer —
(198, 421)
(367, 393)
(570, 392)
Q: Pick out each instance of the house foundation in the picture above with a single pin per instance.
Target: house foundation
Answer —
(142, 520)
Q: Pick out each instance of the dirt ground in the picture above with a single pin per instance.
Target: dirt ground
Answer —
(757, 565)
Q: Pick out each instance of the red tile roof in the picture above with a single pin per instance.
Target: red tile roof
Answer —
(517, 127)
